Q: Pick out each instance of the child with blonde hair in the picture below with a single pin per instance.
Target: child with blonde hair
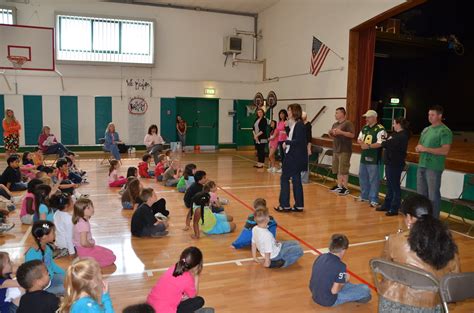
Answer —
(86, 291)
(114, 179)
(82, 237)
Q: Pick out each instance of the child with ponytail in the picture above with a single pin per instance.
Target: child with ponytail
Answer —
(43, 233)
(207, 221)
(177, 289)
(86, 291)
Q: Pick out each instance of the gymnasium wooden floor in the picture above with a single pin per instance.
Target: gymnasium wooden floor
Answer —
(231, 282)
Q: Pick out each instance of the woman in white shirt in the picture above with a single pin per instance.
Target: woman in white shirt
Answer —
(154, 142)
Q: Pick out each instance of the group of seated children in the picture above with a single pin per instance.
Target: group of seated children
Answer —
(65, 177)
(163, 163)
(40, 286)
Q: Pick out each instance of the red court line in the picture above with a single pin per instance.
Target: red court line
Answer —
(299, 239)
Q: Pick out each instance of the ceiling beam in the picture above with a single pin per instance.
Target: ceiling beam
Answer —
(185, 7)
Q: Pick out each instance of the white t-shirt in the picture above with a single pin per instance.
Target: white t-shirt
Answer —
(265, 242)
(64, 230)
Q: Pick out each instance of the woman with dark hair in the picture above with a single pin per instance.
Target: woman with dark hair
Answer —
(296, 161)
(181, 127)
(260, 137)
(428, 245)
(281, 129)
(395, 152)
(154, 142)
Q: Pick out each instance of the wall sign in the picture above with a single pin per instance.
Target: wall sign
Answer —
(137, 105)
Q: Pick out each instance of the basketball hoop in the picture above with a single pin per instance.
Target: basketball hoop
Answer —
(17, 61)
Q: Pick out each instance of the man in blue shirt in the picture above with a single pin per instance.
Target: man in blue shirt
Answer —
(329, 282)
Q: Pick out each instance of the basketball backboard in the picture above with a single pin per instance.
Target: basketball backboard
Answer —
(32, 42)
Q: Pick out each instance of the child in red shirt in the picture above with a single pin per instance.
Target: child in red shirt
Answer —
(160, 167)
(143, 167)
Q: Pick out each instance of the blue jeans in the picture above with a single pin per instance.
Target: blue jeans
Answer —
(353, 293)
(114, 150)
(393, 196)
(369, 182)
(428, 184)
(57, 148)
(18, 186)
(155, 151)
(285, 190)
(75, 178)
(57, 285)
(182, 139)
(290, 252)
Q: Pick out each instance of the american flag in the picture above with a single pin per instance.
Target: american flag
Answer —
(318, 55)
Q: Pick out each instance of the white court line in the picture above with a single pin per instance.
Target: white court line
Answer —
(21, 242)
(326, 250)
(238, 262)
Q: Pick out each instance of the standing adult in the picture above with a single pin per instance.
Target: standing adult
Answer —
(434, 145)
(309, 137)
(112, 140)
(49, 144)
(181, 127)
(395, 153)
(260, 137)
(296, 161)
(11, 133)
(153, 142)
(370, 140)
(342, 132)
(282, 135)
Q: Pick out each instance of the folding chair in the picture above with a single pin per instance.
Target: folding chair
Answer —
(456, 287)
(50, 159)
(106, 153)
(319, 164)
(402, 177)
(407, 275)
(464, 200)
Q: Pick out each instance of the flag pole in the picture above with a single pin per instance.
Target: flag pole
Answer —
(331, 49)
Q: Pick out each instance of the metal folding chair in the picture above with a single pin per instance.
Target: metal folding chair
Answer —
(463, 200)
(456, 287)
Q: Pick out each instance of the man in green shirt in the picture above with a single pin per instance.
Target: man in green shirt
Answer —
(370, 140)
(435, 142)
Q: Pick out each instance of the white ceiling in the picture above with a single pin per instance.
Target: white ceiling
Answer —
(246, 6)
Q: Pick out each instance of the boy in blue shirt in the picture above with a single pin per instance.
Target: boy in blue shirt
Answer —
(329, 282)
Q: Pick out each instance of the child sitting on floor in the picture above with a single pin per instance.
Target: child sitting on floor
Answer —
(210, 223)
(172, 174)
(11, 176)
(131, 195)
(216, 203)
(82, 236)
(114, 179)
(43, 233)
(329, 282)
(64, 206)
(86, 291)
(42, 209)
(33, 277)
(28, 167)
(28, 206)
(188, 177)
(160, 167)
(275, 254)
(144, 221)
(10, 292)
(143, 170)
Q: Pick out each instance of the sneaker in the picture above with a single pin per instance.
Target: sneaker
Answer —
(160, 234)
(374, 204)
(278, 170)
(343, 191)
(335, 188)
(11, 207)
(359, 199)
(4, 227)
(270, 169)
(277, 263)
(59, 253)
(297, 209)
(224, 201)
(161, 216)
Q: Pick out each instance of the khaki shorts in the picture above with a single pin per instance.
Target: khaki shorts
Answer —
(341, 162)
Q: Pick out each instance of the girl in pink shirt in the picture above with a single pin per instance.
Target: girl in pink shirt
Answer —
(28, 203)
(273, 146)
(176, 290)
(281, 131)
(82, 236)
(114, 179)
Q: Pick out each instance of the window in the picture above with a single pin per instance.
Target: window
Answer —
(96, 39)
(7, 15)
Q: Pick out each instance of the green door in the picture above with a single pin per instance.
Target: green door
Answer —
(201, 116)
(244, 119)
(168, 119)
